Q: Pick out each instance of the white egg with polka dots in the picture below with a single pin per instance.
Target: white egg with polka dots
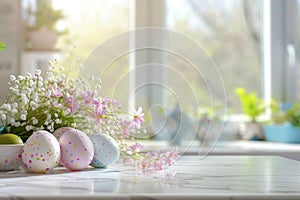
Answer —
(106, 149)
(41, 152)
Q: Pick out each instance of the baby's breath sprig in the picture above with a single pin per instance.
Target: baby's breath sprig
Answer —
(55, 100)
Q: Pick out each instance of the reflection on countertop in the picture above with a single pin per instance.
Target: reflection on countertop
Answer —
(193, 176)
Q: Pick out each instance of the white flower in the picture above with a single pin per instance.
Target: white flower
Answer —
(12, 120)
(21, 78)
(58, 121)
(6, 107)
(35, 121)
(28, 128)
(14, 110)
(33, 105)
(29, 75)
(31, 82)
(35, 96)
(24, 98)
(37, 72)
(40, 84)
(3, 117)
(14, 90)
(15, 105)
(23, 117)
(17, 124)
(12, 77)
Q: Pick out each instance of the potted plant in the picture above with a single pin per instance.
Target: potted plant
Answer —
(253, 107)
(41, 30)
(285, 126)
(2, 46)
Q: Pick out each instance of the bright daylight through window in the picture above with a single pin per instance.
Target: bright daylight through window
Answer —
(178, 59)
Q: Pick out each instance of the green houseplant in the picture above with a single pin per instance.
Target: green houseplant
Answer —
(284, 126)
(253, 107)
(42, 32)
(2, 46)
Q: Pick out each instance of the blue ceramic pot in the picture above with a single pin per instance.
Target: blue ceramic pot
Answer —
(282, 133)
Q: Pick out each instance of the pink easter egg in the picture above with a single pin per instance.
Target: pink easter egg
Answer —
(41, 152)
(77, 150)
(59, 132)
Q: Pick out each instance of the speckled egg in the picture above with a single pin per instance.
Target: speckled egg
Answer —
(107, 150)
(41, 152)
(59, 132)
(77, 150)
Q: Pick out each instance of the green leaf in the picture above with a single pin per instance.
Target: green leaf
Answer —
(294, 115)
(252, 105)
(2, 46)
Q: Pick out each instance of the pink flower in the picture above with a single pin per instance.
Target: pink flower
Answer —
(58, 92)
(157, 165)
(86, 97)
(94, 98)
(144, 164)
(126, 128)
(171, 157)
(90, 98)
(71, 104)
(106, 101)
(115, 103)
(100, 113)
(158, 158)
(138, 118)
(137, 147)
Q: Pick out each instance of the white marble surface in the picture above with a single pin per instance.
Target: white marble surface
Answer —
(214, 177)
(237, 147)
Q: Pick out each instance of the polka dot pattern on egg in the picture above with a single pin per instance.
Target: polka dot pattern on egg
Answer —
(77, 150)
(41, 152)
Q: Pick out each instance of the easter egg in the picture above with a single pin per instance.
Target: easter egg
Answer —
(41, 152)
(59, 132)
(77, 150)
(106, 149)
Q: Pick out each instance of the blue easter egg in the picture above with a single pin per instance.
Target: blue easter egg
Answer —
(106, 150)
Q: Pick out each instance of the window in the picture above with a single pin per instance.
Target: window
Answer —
(231, 34)
(194, 54)
(90, 24)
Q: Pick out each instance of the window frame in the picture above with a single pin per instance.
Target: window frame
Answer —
(279, 50)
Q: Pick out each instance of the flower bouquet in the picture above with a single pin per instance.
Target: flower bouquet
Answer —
(52, 100)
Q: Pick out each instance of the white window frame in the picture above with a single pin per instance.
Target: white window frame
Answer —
(280, 71)
(147, 13)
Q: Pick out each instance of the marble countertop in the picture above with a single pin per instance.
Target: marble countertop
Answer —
(212, 177)
(236, 147)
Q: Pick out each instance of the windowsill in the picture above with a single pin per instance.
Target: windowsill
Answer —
(237, 147)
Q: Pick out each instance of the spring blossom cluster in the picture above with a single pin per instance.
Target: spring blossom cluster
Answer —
(50, 100)
(154, 160)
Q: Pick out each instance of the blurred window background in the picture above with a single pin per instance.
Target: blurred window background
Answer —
(248, 43)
